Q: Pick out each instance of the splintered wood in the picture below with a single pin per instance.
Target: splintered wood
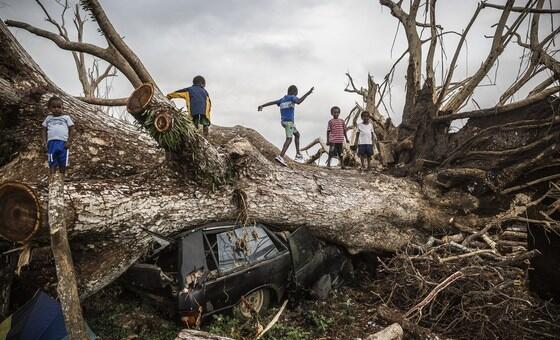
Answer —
(67, 287)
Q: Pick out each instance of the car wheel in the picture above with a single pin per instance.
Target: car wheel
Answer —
(256, 302)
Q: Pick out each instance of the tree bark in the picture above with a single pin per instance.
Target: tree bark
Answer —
(67, 287)
(119, 180)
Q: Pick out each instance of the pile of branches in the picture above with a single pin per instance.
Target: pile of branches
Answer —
(458, 292)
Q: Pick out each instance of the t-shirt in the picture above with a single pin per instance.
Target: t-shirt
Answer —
(336, 130)
(197, 99)
(365, 131)
(287, 106)
(57, 127)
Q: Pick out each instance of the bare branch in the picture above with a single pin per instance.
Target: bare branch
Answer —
(445, 85)
(107, 54)
(546, 83)
(500, 109)
(353, 88)
(529, 74)
(110, 71)
(522, 9)
(430, 75)
(496, 50)
(104, 101)
(413, 75)
(111, 34)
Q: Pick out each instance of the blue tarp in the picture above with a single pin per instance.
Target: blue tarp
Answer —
(40, 318)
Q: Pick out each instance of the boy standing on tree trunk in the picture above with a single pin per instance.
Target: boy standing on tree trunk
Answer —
(57, 135)
(198, 103)
(287, 108)
(364, 140)
(336, 135)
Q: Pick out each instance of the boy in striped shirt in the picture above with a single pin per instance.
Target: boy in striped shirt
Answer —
(336, 134)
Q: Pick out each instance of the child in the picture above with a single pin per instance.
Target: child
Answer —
(57, 135)
(198, 103)
(287, 108)
(336, 134)
(364, 140)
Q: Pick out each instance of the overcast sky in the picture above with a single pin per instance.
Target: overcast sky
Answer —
(250, 51)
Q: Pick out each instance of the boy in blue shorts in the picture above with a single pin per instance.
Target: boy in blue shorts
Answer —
(287, 108)
(57, 135)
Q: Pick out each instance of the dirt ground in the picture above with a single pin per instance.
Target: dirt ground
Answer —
(351, 311)
(348, 313)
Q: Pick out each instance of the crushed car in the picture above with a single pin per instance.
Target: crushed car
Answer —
(222, 266)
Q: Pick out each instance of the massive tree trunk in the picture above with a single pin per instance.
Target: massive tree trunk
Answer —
(120, 182)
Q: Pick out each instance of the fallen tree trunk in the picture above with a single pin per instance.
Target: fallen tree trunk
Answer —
(119, 181)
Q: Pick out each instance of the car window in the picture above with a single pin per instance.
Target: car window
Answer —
(259, 245)
(244, 245)
(231, 252)
(211, 251)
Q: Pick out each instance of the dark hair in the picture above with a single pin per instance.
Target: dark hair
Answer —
(199, 80)
(364, 113)
(292, 90)
(52, 100)
(335, 108)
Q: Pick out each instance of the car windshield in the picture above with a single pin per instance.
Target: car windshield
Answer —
(242, 246)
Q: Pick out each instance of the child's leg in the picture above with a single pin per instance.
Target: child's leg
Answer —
(285, 147)
(296, 135)
(368, 162)
(362, 160)
(289, 130)
(205, 124)
(340, 157)
(329, 161)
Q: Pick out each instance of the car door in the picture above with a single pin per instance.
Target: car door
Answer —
(248, 259)
(307, 257)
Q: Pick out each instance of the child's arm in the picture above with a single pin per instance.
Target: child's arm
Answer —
(357, 139)
(177, 94)
(328, 130)
(300, 100)
(274, 102)
(45, 137)
(69, 140)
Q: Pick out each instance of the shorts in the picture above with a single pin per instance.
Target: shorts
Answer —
(365, 150)
(335, 149)
(57, 153)
(289, 128)
(200, 120)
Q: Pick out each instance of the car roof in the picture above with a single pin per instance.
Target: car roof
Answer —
(213, 226)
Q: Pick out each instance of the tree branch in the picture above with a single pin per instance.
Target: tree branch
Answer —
(413, 75)
(111, 34)
(546, 83)
(496, 50)
(108, 54)
(445, 86)
(430, 75)
(499, 109)
(104, 101)
(522, 9)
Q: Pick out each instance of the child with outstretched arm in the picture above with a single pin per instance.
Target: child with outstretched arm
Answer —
(198, 103)
(364, 140)
(287, 109)
(336, 135)
(57, 135)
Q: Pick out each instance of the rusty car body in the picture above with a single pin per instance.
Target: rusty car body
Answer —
(220, 266)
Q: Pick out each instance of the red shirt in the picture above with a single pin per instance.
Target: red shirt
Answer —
(335, 130)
